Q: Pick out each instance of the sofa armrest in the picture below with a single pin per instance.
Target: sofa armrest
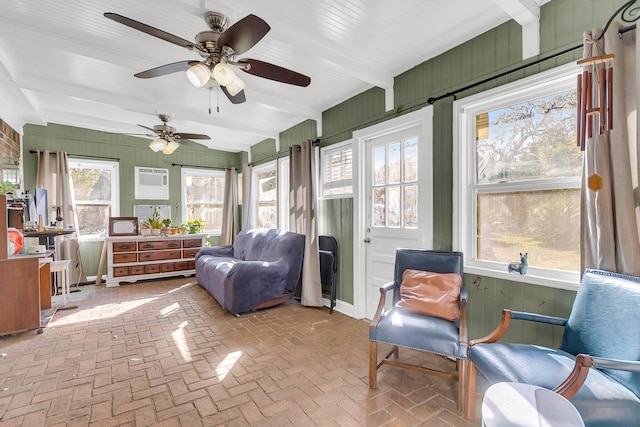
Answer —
(219, 251)
(578, 375)
(505, 322)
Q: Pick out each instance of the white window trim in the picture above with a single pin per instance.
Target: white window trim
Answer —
(184, 212)
(284, 166)
(559, 78)
(254, 186)
(115, 188)
(324, 152)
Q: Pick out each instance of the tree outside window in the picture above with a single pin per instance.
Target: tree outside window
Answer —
(95, 188)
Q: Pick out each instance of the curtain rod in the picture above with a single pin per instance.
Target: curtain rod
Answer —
(81, 156)
(626, 13)
(275, 156)
(622, 11)
(204, 167)
(453, 94)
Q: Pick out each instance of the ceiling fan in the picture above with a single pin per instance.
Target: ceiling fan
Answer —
(219, 47)
(167, 140)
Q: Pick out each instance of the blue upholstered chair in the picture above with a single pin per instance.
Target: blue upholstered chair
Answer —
(596, 367)
(401, 328)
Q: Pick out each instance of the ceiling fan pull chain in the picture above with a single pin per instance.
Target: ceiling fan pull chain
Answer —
(218, 98)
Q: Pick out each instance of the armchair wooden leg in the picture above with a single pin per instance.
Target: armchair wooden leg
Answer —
(462, 384)
(470, 393)
(373, 364)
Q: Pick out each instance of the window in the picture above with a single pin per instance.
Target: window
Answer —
(95, 188)
(517, 184)
(336, 170)
(203, 197)
(266, 190)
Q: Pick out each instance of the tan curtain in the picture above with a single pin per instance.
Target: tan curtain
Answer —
(229, 207)
(303, 219)
(610, 216)
(52, 174)
(248, 207)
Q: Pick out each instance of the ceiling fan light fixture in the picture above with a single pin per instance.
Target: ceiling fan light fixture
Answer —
(223, 74)
(171, 147)
(158, 144)
(198, 75)
(236, 86)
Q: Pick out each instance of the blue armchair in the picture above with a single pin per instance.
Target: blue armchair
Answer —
(597, 365)
(401, 328)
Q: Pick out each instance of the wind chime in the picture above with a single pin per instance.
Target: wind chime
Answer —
(595, 99)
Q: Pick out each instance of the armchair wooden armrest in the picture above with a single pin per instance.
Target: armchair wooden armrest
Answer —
(505, 322)
(381, 303)
(576, 378)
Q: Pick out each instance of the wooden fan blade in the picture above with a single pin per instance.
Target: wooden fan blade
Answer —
(238, 99)
(149, 30)
(163, 70)
(244, 34)
(193, 144)
(274, 72)
(148, 128)
(184, 136)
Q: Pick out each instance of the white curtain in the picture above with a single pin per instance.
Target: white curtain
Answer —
(303, 219)
(248, 207)
(610, 215)
(229, 207)
(52, 174)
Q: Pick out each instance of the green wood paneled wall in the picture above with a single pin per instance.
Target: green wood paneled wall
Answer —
(130, 151)
(562, 23)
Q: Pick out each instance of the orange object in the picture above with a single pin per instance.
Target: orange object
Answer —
(16, 237)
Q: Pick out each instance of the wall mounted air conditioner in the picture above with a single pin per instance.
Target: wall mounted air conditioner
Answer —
(151, 183)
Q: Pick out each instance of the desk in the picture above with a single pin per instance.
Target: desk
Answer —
(45, 235)
(526, 405)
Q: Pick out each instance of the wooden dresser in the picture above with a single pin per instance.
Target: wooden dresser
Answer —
(133, 258)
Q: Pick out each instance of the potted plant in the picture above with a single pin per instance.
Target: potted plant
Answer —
(194, 226)
(166, 223)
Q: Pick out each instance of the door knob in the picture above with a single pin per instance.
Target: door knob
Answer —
(367, 240)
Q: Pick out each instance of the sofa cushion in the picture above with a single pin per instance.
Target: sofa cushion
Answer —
(601, 401)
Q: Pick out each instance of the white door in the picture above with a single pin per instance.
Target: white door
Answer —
(393, 207)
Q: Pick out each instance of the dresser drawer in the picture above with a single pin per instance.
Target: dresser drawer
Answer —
(167, 267)
(124, 257)
(191, 243)
(158, 245)
(190, 253)
(120, 271)
(124, 246)
(181, 265)
(136, 269)
(152, 268)
(159, 255)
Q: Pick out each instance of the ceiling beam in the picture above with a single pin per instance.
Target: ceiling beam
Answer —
(527, 14)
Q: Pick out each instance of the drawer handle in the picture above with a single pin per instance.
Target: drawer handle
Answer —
(125, 247)
(172, 245)
(147, 246)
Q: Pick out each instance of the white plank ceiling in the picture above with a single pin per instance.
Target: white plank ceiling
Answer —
(64, 62)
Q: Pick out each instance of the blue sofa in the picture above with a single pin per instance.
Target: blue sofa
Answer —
(597, 365)
(261, 269)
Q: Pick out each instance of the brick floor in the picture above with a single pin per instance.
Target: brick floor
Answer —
(163, 353)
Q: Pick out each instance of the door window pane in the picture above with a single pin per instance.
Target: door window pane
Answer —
(411, 206)
(394, 163)
(411, 159)
(379, 166)
(393, 207)
(379, 203)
